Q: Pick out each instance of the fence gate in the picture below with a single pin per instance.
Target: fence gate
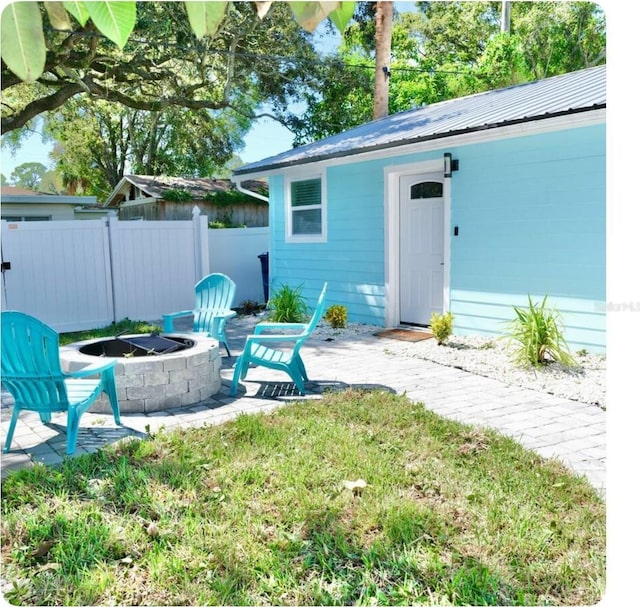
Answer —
(59, 272)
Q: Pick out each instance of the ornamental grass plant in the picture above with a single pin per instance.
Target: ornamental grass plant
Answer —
(287, 305)
(361, 497)
(538, 335)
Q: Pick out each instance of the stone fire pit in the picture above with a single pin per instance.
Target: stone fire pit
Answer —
(149, 381)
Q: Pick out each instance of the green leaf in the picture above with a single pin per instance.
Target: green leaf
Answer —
(115, 19)
(205, 17)
(58, 15)
(23, 47)
(78, 10)
(310, 14)
(342, 15)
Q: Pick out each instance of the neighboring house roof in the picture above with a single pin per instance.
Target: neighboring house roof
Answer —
(12, 190)
(22, 196)
(557, 96)
(157, 186)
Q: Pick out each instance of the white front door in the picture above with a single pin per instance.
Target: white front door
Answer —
(421, 247)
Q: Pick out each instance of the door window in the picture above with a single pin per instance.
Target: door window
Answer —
(426, 189)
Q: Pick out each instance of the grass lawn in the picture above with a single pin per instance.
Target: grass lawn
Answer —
(123, 326)
(357, 498)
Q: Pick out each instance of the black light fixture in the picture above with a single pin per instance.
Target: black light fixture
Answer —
(450, 164)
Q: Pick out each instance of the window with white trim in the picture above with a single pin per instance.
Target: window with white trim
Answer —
(306, 210)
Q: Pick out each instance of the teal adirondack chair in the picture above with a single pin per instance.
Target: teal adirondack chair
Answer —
(31, 372)
(214, 297)
(258, 349)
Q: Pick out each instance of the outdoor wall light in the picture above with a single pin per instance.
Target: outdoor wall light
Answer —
(450, 164)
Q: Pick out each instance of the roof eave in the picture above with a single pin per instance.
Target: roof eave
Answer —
(401, 143)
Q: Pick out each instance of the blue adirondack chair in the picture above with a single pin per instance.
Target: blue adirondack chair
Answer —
(214, 297)
(31, 372)
(259, 349)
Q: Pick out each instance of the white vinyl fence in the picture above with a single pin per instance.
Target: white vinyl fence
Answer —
(76, 275)
(234, 252)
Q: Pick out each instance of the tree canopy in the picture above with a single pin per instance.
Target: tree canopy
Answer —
(170, 95)
(449, 49)
(151, 55)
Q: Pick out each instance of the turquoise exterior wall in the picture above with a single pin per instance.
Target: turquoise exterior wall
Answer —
(352, 259)
(530, 213)
(531, 218)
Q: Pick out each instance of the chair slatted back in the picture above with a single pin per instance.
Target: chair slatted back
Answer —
(315, 319)
(31, 363)
(213, 294)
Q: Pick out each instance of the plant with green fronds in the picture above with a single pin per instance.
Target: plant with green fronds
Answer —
(287, 305)
(441, 326)
(336, 316)
(537, 331)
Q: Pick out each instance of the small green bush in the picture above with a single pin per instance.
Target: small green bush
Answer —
(249, 306)
(441, 326)
(336, 316)
(538, 333)
(287, 305)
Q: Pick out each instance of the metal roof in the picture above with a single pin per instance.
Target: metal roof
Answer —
(556, 96)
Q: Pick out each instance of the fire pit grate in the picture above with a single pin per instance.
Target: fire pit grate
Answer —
(137, 345)
(152, 344)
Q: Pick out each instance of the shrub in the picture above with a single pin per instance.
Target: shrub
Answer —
(336, 316)
(287, 305)
(249, 306)
(441, 326)
(177, 195)
(537, 331)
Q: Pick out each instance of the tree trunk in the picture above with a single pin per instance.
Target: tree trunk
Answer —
(505, 26)
(384, 17)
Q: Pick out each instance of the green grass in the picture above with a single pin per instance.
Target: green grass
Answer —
(256, 511)
(123, 326)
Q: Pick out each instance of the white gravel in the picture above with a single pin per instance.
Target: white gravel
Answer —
(491, 357)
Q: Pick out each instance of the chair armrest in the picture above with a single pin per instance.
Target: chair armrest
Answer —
(178, 314)
(93, 369)
(278, 326)
(273, 338)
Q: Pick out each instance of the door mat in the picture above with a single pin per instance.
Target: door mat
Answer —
(404, 334)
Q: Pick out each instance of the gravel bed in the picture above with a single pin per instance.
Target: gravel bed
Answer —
(494, 358)
(491, 357)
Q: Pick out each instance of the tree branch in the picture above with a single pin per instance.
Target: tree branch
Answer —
(43, 104)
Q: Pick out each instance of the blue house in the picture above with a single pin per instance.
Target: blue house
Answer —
(468, 205)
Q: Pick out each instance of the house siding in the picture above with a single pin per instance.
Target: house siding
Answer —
(57, 212)
(531, 217)
(352, 259)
